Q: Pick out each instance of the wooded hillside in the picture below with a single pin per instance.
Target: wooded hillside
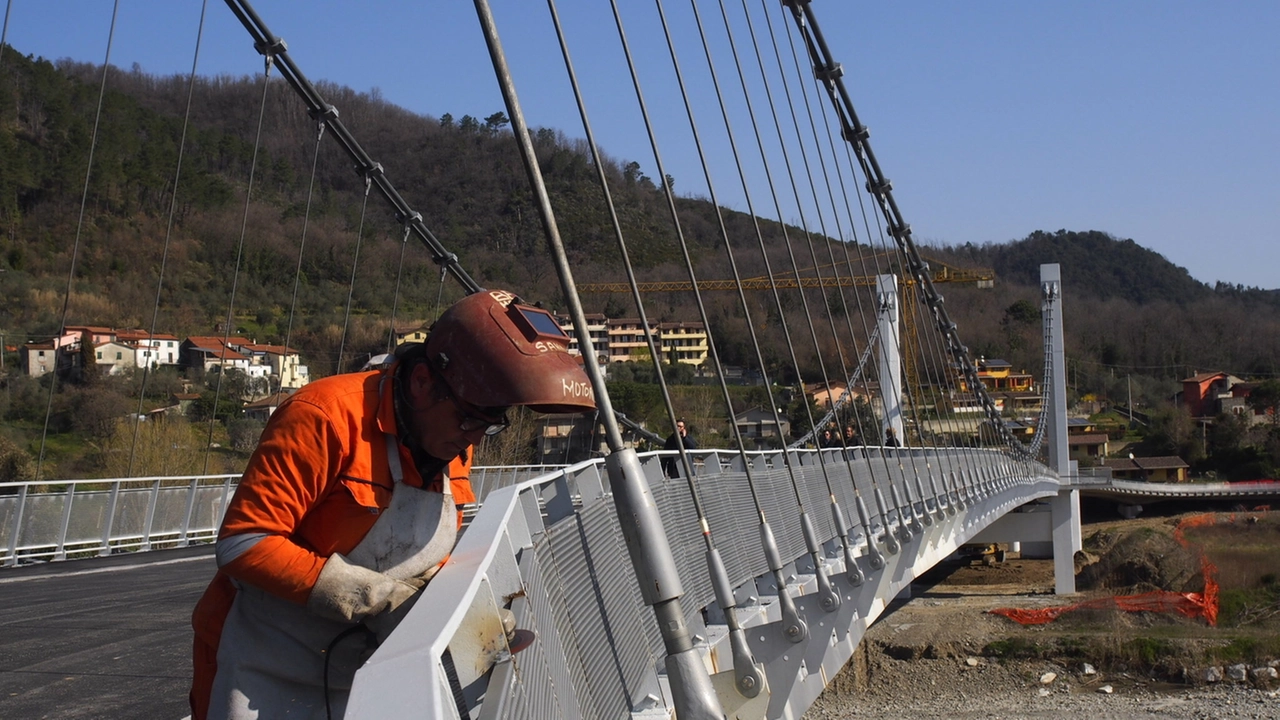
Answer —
(1129, 312)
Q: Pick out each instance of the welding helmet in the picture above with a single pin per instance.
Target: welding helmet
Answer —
(493, 351)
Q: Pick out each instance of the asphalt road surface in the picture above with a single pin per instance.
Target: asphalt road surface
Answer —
(100, 638)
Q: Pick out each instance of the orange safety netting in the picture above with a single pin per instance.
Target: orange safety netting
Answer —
(1192, 605)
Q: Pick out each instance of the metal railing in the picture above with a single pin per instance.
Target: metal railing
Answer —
(551, 550)
(47, 521)
(78, 518)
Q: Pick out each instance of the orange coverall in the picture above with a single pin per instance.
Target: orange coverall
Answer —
(314, 487)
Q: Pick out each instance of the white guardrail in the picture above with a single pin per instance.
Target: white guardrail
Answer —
(58, 519)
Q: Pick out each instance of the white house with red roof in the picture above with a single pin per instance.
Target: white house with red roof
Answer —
(152, 350)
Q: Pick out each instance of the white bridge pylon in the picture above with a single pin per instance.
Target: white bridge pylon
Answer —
(888, 325)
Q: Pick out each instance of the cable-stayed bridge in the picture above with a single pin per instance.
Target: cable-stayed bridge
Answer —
(740, 587)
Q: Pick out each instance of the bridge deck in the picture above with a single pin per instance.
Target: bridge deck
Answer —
(100, 638)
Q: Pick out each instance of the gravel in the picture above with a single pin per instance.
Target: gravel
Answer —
(924, 659)
(1016, 700)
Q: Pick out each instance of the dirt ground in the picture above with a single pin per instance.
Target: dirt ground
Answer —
(942, 654)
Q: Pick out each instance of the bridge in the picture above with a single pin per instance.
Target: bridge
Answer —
(742, 589)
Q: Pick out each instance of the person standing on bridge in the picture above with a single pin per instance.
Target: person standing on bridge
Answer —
(850, 438)
(675, 441)
(349, 506)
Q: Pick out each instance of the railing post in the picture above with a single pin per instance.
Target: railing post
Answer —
(16, 530)
(110, 520)
(151, 514)
(61, 552)
(226, 497)
(192, 491)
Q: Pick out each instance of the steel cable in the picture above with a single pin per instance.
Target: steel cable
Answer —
(75, 246)
(830, 599)
(881, 503)
(268, 61)
(164, 254)
(355, 263)
(837, 513)
(321, 123)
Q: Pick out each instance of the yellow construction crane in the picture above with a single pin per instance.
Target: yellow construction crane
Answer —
(941, 273)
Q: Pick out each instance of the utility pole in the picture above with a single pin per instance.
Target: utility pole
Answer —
(1128, 380)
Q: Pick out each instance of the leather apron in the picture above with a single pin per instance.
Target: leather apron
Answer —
(271, 658)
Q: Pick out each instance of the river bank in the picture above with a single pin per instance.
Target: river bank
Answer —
(942, 654)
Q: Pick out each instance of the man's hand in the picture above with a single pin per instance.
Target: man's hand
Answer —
(353, 594)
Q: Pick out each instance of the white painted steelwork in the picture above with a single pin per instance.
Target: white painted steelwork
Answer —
(550, 549)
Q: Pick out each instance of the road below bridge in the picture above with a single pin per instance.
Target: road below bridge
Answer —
(100, 638)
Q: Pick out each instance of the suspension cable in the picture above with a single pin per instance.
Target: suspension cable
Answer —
(267, 43)
(881, 506)
(654, 354)
(268, 61)
(395, 298)
(748, 675)
(321, 124)
(829, 74)
(355, 261)
(168, 235)
(837, 514)
(75, 247)
(873, 337)
(829, 598)
(4, 32)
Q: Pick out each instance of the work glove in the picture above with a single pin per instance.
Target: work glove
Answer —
(351, 593)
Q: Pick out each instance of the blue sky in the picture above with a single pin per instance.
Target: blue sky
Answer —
(1156, 121)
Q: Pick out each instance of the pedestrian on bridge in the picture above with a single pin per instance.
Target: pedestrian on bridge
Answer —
(850, 438)
(675, 441)
(348, 507)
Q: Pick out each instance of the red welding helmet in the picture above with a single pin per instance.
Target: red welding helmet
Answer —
(494, 351)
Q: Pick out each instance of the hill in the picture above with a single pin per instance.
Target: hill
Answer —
(1106, 266)
(1129, 312)
(463, 174)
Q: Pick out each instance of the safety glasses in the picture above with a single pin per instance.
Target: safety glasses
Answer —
(472, 420)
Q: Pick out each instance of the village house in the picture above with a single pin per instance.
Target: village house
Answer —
(93, 333)
(597, 329)
(207, 353)
(113, 358)
(683, 342)
(1202, 393)
(1148, 469)
(627, 341)
(1088, 445)
(151, 350)
(38, 357)
(824, 394)
(284, 364)
(409, 333)
(261, 410)
(758, 427)
(183, 401)
(1207, 395)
